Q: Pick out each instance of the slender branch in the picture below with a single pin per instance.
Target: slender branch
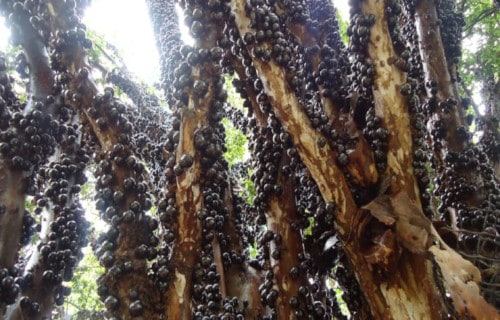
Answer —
(119, 65)
(281, 216)
(469, 29)
(475, 107)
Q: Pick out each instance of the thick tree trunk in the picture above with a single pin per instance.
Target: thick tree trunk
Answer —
(336, 140)
(411, 289)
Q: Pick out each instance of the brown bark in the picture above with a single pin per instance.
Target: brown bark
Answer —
(449, 139)
(281, 215)
(12, 198)
(400, 263)
(390, 105)
(289, 112)
(362, 165)
(241, 280)
(435, 67)
(81, 93)
(191, 185)
(13, 192)
(388, 79)
(414, 271)
(15, 182)
(189, 198)
(330, 180)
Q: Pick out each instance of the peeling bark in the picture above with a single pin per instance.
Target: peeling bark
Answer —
(385, 301)
(333, 188)
(461, 280)
(318, 152)
(294, 121)
(449, 138)
(390, 105)
(189, 197)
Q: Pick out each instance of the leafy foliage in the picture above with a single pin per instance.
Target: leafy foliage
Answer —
(236, 143)
(249, 193)
(83, 298)
(343, 24)
(481, 45)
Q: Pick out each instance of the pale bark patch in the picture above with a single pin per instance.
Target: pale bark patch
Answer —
(180, 285)
(461, 279)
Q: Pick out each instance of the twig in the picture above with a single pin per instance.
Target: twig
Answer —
(475, 107)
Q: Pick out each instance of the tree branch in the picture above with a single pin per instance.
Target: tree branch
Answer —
(477, 19)
(475, 107)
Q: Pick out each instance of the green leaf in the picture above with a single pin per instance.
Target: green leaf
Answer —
(84, 287)
(236, 143)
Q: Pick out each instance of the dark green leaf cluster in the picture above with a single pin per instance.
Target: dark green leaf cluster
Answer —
(481, 45)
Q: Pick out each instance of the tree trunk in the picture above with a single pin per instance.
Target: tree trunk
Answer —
(340, 140)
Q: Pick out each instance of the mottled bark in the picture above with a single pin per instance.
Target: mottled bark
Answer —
(384, 300)
(282, 215)
(455, 157)
(13, 192)
(335, 138)
(130, 266)
(190, 200)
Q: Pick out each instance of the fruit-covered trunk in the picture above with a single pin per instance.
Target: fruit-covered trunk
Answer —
(342, 139)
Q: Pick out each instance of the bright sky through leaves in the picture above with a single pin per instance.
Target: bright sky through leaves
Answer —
(128, 28)
(126, 25)
(4, 35)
